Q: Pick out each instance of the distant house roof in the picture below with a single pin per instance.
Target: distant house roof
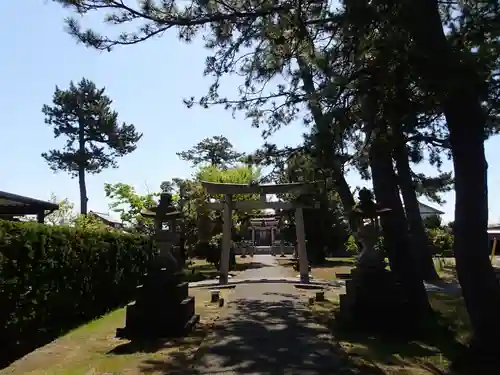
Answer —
(106, 217)
(426, 209)
(13, 204)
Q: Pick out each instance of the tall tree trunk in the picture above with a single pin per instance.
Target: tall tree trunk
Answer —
(394, 225)
(81, 169)
(346, 198)
(83, 190)
(418, 236)
(456, 85)
(323, 127)
(479, 284)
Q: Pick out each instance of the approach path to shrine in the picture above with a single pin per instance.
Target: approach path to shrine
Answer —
(266, 330)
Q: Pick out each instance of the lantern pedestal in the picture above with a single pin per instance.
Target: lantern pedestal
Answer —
(163, 308)
(373, 301)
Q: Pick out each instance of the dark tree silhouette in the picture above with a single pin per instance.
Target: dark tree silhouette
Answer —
(94, 138)
(216, 151)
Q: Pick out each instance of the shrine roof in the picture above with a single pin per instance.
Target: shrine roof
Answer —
(13, 204)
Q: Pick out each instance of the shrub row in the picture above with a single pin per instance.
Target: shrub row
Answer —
(54, 278)
(440, 238)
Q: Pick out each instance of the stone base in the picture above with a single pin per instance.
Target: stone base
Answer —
(129, 333)
(162, 309)
(374, 301)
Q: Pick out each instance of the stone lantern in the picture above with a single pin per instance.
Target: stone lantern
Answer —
(373, 300)
(163, 307)
(368, 214)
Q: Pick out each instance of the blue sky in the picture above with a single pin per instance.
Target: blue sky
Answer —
(147, 83)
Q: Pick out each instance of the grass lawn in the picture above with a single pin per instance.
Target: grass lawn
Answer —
(200, 269)
(391, 356)
(326, 271)
(334, 268)
(92, 349)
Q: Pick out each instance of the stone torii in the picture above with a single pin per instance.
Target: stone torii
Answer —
(228, 205)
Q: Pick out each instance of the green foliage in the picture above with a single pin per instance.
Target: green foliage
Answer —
(442, 241)
(210, 222)
(351, 246)
(65, 215)
(128, 203)
(90, 223)
(433, 187)
(325, 225)
(216, 151)
(213, 251)
(432, 222)
(54, 277)
(242, 174)
(95, 139)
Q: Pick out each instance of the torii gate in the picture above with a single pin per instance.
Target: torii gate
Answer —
(228, 190)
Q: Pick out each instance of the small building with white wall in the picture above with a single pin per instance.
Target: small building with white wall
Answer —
(427, 211)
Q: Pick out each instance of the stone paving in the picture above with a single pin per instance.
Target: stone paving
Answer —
(265, 330)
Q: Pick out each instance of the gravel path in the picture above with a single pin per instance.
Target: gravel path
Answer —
(269, 269)
(265, 330)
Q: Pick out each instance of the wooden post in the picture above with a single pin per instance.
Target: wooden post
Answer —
(493, 250)
(226, 239)
(301, 245)
(40, 217)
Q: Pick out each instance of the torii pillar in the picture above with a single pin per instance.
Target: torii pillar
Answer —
(227, 215)
(301, 245)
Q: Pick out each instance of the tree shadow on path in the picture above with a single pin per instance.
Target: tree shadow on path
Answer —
(272, 336)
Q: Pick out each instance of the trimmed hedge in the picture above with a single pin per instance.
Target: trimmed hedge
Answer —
(53, 278)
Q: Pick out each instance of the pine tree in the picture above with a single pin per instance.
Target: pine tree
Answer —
(216, 151)
(94, 139)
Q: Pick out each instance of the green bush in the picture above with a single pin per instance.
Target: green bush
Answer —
(442, 241)
(55, 277)
(214, 251)
(351, 245)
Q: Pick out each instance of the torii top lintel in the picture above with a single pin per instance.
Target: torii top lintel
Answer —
(223, 188)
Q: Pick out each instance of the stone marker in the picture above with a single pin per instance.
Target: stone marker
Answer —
(214, 296)
(320, 296)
